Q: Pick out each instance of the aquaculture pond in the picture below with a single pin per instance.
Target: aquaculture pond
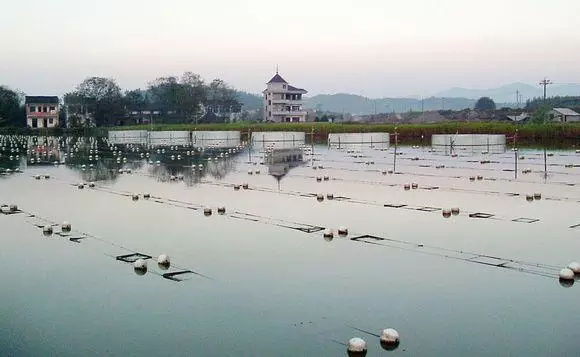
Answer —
(280, 248)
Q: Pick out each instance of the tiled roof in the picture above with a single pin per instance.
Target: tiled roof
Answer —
(277, 79)
(41, 99)
(296, 89)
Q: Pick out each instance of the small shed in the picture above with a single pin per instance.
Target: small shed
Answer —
(563, 115)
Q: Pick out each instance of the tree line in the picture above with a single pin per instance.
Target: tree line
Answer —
(182, 99)
(99, 101)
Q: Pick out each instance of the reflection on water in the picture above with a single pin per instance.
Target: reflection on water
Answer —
(104, 159)
(280, 161)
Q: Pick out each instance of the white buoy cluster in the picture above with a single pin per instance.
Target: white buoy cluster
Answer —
(389, 339)
(448, 212)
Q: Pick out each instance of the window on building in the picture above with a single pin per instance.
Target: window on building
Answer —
(269, 102)
(51, 108)
(295, 119)
(50, 120)
(34, 123)
(283, 86)
(45, 109)
(269, 114)
(32, 108)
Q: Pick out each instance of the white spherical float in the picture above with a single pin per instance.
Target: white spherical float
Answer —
(207, 211)
(47, 230)
(163, 261)
(327, 233)
(566, 274)
(66, 226)
(575, 267)
(389, 339)
(221, 210)
(140, 266)
(356, 347)
(320, 197)
(342, 231)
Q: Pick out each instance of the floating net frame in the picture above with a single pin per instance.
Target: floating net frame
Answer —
(470, 143)
(375, 140)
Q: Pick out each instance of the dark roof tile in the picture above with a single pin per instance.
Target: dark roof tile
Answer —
(41, 99)
(277, 79)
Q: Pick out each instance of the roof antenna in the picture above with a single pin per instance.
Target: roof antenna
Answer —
(276, 69)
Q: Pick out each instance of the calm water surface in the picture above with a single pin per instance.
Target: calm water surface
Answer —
(265, 282)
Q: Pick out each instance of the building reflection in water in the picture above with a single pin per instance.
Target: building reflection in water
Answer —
(280, 161)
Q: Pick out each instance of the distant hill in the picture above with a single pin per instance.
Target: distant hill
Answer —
(250, 101)
(507, 93)
(356, 104)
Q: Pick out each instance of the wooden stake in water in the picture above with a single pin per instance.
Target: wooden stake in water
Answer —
(395, 155)
(249, 140)
(312, 144)
(545, 164)
(516, 164)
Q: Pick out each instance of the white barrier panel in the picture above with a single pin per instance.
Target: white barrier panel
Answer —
(166, 138)
(128, 137)
(469, 143)
(356, 140)
(215, 139)
(278, 139)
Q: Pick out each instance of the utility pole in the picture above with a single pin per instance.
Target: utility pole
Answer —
(544, 82)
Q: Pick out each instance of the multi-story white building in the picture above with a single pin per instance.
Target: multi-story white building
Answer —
(283, 102)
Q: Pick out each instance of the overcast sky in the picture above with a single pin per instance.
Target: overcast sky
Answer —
(370, 47)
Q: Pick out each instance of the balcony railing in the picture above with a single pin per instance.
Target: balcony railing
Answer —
(289, 112)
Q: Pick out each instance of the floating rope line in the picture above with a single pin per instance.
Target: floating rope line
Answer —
(76, 236)
(539, 269)
(468, 190)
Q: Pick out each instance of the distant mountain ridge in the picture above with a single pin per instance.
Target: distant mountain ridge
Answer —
(507, 93)
(356, 104)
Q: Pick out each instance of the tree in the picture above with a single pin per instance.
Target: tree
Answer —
(98, 97)
(137, 99)
(540, 115)
(485, 103)
(181, 96)
(11, 111)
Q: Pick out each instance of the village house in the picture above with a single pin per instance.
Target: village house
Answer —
(42, 111)
(563, 115)
(283, 102)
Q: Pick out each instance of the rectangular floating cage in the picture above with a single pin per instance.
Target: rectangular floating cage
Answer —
(128, 137)
(468, 143)
(131, 258)
(278, 139)
(167, 138)
(215, 139)
(358, 140)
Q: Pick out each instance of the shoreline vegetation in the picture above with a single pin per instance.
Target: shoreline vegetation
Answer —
(553, 135)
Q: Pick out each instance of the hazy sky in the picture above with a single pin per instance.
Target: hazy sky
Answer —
(370, 47)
